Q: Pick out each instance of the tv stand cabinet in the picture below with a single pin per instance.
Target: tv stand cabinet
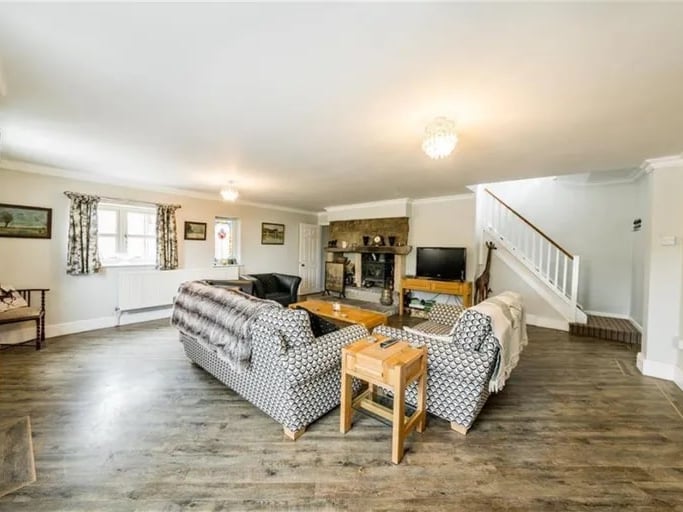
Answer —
(461, 288)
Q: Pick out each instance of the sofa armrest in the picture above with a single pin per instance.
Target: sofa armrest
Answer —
(258, 290)
(308, 360)
(447, 356)
(290, 284)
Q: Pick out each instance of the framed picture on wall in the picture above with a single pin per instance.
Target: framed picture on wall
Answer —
(272, 234)
(195, 230)
(25, 221)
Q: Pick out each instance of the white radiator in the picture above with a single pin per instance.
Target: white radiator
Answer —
(155, 288)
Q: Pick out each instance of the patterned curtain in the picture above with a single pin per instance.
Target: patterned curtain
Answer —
(167, 237)
(82, 257)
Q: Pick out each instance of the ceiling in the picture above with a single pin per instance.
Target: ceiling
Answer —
(312, 105)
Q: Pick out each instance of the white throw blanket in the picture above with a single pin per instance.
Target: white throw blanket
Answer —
(508, 322)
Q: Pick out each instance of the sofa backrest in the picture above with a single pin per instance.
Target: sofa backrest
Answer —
(445, 314)
(289, 327)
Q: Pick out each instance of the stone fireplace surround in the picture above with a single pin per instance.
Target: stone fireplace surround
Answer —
(351, 232)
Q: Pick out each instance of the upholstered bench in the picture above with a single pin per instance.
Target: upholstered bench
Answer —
(16, 307)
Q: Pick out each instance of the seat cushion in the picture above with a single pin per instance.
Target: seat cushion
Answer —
(431, 327)
(16, 315)
(10, 298)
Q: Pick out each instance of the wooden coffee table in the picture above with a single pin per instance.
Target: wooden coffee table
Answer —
(393, 367)
(369, 319)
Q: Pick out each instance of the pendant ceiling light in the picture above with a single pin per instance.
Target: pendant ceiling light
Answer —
(440, 138)
(230, 193)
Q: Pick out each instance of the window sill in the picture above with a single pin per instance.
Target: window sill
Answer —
(215, 265)
(128, 265)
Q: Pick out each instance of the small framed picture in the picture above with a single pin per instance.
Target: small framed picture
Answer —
(25, 221)
(272, 234)
(195, 230)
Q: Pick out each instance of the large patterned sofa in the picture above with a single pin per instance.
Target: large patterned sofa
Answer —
(471, 352)
(275, 361)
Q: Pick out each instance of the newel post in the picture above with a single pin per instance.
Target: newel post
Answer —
(575, 284)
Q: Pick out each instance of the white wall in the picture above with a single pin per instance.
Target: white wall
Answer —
(660, 354)
(593, 221)
(41, 263)
(538, 310)
(443, 222)
(378, 210)
(639, 240)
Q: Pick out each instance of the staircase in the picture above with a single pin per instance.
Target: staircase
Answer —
(555, 271)
(548, 268)
(607, 328)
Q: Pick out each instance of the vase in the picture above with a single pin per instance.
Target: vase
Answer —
(387, 298)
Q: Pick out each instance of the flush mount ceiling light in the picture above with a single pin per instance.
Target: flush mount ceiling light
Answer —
(440, 138)
(230, 193)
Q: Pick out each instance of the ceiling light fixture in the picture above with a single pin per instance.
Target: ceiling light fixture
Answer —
(230, 193)
(440, 138)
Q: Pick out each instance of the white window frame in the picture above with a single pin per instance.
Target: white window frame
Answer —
(235, 234)
(121, 236)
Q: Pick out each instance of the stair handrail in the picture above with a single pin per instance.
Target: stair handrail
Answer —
(530, 224)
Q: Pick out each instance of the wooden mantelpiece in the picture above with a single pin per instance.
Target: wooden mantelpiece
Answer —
(385, 249)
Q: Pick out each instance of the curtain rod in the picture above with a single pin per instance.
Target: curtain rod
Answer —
(106, 199)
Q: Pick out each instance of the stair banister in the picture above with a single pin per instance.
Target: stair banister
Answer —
(549, 261)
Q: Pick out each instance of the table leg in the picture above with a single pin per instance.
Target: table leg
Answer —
(398, 427)
(346, 399)
(422, 394)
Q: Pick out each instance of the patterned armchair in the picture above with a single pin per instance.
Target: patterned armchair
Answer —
(459, 370)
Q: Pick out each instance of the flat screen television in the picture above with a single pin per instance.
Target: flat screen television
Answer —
(446, 263)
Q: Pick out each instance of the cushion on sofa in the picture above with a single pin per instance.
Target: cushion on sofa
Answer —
(472, 329)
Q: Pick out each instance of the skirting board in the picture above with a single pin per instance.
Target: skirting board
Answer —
(51, 331)
(660, 370)
(678, 377)
(549, 323)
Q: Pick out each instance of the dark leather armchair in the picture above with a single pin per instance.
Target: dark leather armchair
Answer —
(243, 285)
(281, 288)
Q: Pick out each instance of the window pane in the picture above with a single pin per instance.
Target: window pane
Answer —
(106, 246)
(136, 248)
(107, 221)
(150, 249)
(224, 241)
(136, 223)
(150, 224)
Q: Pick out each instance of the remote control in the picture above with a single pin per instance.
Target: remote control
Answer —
(388, 343)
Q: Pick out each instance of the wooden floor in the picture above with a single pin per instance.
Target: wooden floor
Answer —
(123, 421)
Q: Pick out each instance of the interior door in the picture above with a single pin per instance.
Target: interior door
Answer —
(309, 258)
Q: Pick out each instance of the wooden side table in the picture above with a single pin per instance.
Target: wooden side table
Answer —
(394, 367)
